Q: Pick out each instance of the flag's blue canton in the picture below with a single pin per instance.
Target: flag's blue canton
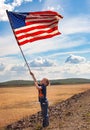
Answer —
(17, 19)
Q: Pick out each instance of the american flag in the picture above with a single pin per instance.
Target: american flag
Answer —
(32, 26)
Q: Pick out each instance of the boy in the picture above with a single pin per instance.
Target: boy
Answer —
(42, 98)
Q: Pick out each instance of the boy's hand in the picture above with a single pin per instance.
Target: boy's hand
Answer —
(33, 76)
(31, 73)
(35, 81)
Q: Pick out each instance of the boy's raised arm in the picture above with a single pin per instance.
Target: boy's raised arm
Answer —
(35, 81)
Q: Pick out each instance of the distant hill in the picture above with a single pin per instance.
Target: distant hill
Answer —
(70, 81)
(17, 83)
(52, 82)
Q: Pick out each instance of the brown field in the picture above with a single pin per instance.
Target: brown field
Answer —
(16, 103)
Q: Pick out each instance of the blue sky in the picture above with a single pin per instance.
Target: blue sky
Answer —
(63, 56)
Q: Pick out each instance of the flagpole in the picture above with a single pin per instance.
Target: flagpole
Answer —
(25, 59)
(19, 46)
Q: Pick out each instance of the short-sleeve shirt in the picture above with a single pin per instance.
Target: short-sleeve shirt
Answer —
(42, 93)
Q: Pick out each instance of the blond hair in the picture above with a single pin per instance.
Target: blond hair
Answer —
(47, 81)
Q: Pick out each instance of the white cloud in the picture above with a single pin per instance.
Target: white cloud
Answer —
(42, 62)
(3, 8)
(67, 70)
(55, 8)
(40, 0)
(14, 72)
(53, 5)
(73, 59)
(18, 68)
(73, 25)
(2, 67)
(77, 69)
(51, 8)
(69, 53)
(4, 5)
(59, 42)
(28, 0)
(8, 45)
(80, 70)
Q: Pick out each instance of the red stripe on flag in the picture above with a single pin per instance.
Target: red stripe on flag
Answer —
(30, 17)
(46, 13)
(26, 35)
(38, 38)
(43, 21)
(27, 28)
(38, 22)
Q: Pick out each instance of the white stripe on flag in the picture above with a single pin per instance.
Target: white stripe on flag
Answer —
(36, 30)
(35, 25)
(44, 34)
